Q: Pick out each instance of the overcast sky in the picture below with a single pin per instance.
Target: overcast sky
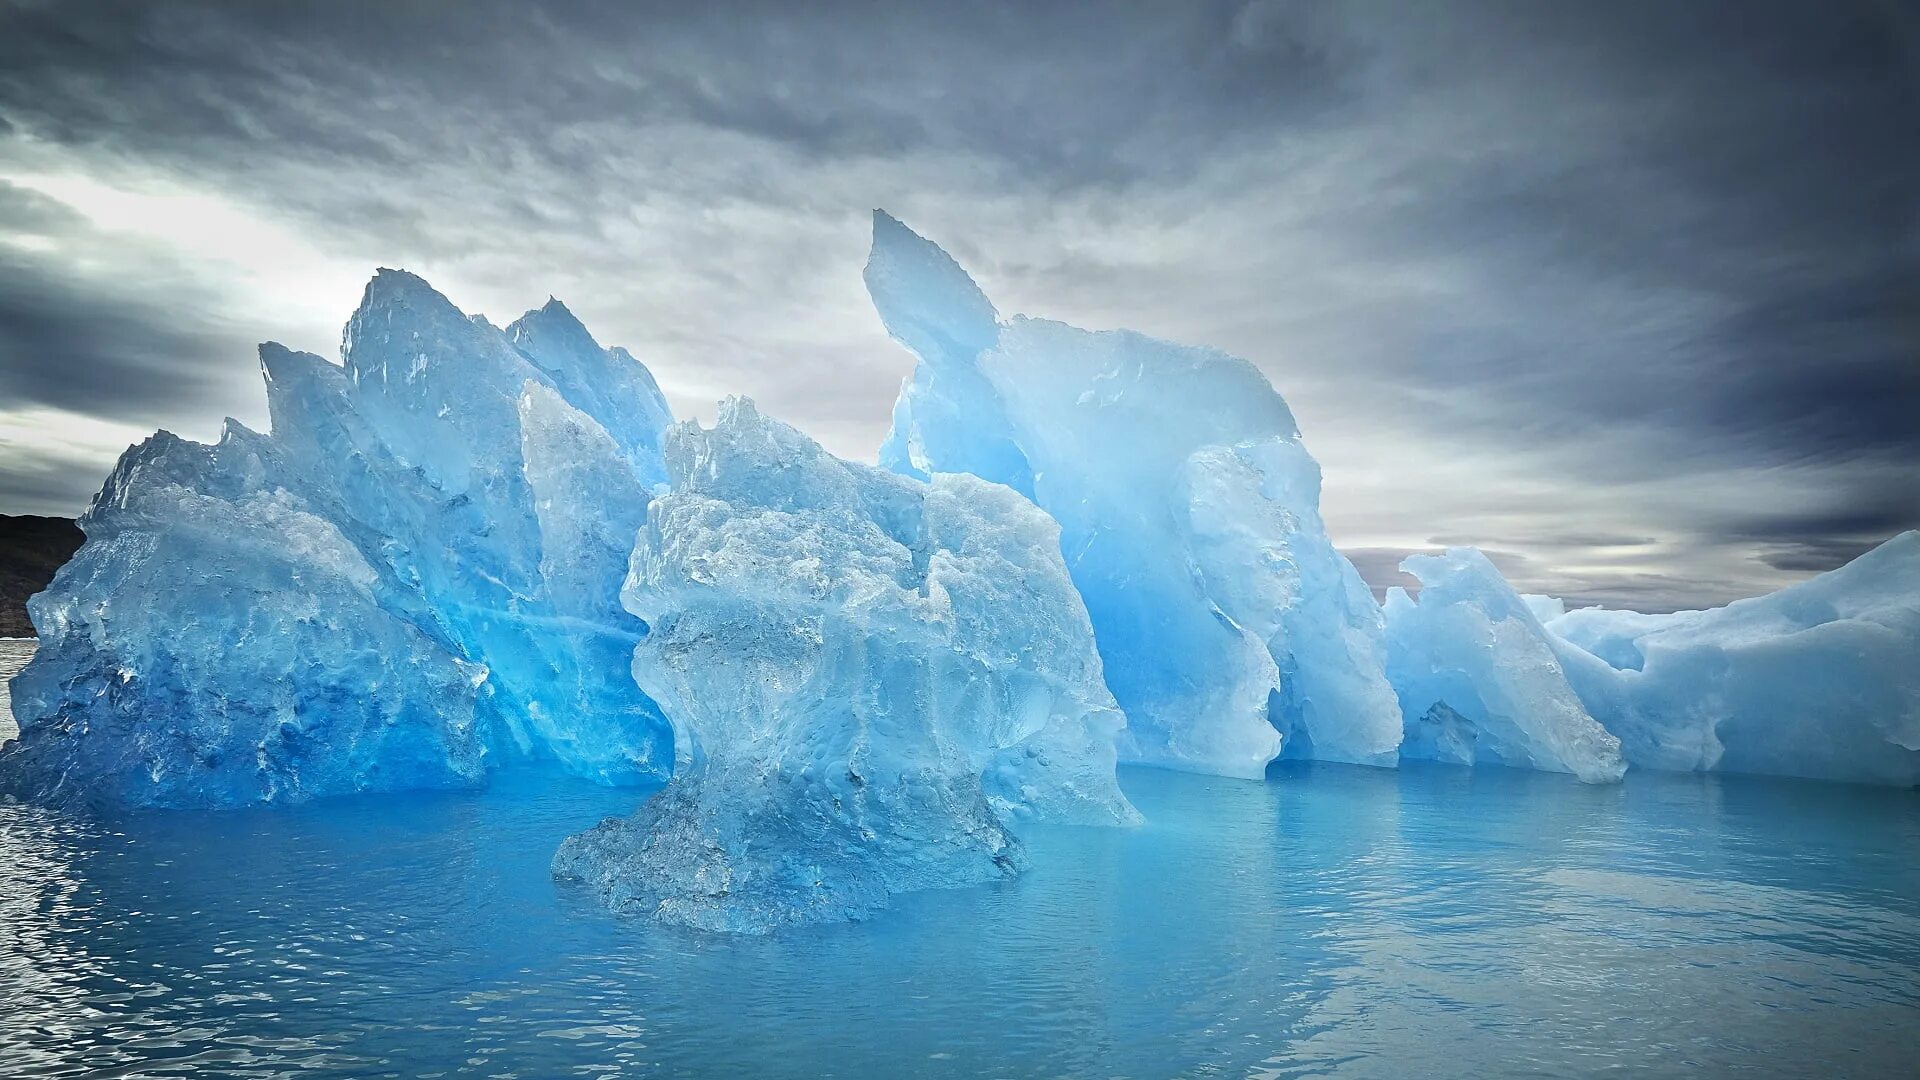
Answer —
(1627, 294)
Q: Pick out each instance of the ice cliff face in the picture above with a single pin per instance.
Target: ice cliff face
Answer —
(1188, 511)
(414, 572)
(872, 681)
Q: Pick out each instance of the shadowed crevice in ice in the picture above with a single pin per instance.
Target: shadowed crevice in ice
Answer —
(871, 679)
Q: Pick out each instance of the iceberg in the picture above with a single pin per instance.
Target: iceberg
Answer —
(589, 503)
(873, 682)
(1478, 677)
(861, 680)
(412, 576)
(607, 384)
(1820, 679)
(1231, 629)
(217, 642)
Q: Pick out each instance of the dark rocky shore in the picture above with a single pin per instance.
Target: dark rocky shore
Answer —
(31, 549)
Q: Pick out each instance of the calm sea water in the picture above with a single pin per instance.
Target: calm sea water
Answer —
(1332, 921)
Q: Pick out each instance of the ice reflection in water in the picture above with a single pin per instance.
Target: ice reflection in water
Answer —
(1334, 920)
(14, 654)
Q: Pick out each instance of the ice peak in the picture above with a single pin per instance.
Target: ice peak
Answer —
(390, 285)
(549, 330)
(279, 363)
(737, 410)
(926, 300)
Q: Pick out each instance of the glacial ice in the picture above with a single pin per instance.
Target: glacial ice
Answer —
(414, 573)
(872, 680)
(1478, 677)
(418, 574)
(216, 642)
(1820, 679)
(1188, 512)
(590, 503)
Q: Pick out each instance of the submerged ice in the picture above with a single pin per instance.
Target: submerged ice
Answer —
(871, 680)
(412, 574)
(1188, 508)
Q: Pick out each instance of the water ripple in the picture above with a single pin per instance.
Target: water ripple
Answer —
(1333, 921)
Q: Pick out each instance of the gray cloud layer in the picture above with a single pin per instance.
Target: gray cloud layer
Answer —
(1627, 292)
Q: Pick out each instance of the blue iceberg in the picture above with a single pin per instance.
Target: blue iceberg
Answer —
(1479, 679)
(413, 575)
(1189, 517)
(873, 681)
(861, 680)
(216, 642)
(590, 503)
(1820, 679)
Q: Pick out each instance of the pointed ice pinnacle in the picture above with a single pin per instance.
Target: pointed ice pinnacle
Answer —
(609, 385)
(1189, 516)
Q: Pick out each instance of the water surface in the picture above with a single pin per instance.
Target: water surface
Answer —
(1333, 921)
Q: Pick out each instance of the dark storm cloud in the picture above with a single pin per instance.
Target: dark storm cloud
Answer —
(1813, 542)
(117, 357)
(1549, 540)
(1047, 91)
(117, 349)
(60, 485)
(1662, 255)
(442, 137)
(1707, 218)
(26, 211)
(1815, 556)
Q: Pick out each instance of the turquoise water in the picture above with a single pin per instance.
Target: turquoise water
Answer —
(1333, 921)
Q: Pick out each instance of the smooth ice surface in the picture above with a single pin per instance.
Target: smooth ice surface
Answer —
(609, 385)
(411, 574)
(1478, 677)
(590, 503)
(1188, 510)
(1820, 679)
(1338, 922)
(870, 679)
